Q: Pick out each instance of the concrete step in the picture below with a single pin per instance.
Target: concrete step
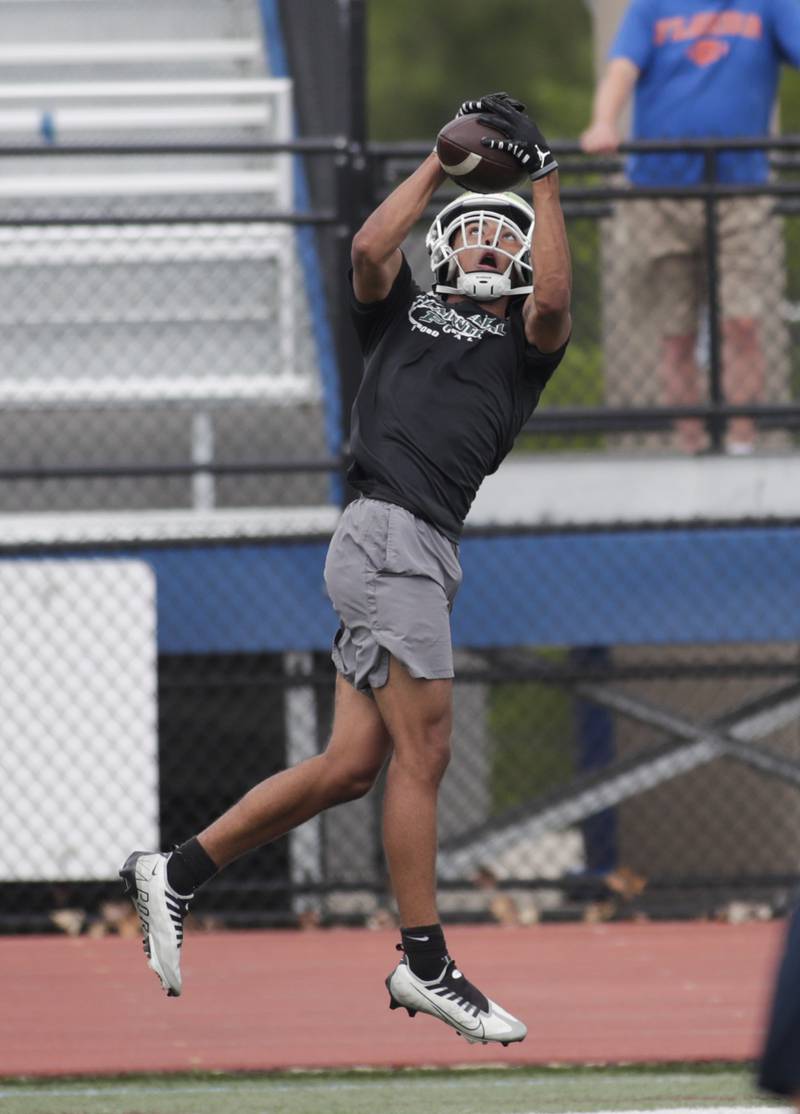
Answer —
(87, 21)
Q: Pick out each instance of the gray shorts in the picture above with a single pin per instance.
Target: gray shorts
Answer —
(392, 578)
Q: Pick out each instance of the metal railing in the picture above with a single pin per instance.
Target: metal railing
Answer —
(362, 177)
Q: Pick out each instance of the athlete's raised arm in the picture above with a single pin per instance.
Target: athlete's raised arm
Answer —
(546, 311)
(375, 251)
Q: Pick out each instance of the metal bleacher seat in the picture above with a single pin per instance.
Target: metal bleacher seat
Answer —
(144, 111)
(82, 71)
(71, 110)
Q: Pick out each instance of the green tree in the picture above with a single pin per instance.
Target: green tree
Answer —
(790, 101)
(426, 56)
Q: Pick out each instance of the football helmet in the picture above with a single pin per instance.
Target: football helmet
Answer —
(510, 213)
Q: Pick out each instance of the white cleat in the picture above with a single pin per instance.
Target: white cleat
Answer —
(454, 1000)
(161, 914)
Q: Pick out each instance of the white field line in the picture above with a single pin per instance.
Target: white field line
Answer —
(702, 1109)
(112, 1091)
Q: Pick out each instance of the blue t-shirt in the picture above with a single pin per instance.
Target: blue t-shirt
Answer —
(707, 68)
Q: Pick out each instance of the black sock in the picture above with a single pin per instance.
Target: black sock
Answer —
(189, 866)
(426, 951)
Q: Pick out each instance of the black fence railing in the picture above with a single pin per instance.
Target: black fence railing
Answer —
(595, 198)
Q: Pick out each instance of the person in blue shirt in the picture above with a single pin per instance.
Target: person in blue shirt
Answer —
(699, 69)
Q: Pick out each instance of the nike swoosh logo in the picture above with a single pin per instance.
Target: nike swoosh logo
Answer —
(431, 998)
(421, 939)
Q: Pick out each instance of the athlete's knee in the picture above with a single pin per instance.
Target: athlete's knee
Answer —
(347, 781)
(425, 755)
(355, 784)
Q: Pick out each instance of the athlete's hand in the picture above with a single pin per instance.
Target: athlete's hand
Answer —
(523, 139)
(469, 108)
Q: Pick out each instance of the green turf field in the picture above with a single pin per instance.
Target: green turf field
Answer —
(501, 1091)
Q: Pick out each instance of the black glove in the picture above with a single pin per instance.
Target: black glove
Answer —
(483, 105)
(523, 139)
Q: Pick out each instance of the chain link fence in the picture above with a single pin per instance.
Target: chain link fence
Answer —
(172, 386)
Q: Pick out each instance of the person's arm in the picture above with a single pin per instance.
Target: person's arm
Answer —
(546, 311)
(375, 252)
(613, 93)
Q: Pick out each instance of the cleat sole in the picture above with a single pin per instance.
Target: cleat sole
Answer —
(395, 1005)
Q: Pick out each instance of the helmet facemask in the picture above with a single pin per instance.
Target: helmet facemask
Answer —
(509, 213)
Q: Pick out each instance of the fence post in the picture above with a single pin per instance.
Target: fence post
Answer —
(716, 424)
(351, 199)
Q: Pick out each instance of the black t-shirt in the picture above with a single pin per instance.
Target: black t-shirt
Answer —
(446, 389)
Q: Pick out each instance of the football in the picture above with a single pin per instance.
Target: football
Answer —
(469, 163)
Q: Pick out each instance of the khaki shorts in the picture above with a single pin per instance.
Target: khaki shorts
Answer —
(665, 241)
(392, 578)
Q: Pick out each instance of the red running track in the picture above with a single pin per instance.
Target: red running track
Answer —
(271, 1000)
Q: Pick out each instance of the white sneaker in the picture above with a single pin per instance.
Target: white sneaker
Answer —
(454, 1000)
(161, 914)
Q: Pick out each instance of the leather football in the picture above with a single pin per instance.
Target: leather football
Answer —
(469, 163)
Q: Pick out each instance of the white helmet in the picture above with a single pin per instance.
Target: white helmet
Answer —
(511, 213)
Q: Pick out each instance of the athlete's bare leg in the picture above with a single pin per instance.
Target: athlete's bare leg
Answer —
(348, 767)
(419, 717)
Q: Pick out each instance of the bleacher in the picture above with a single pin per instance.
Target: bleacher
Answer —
(146, 336)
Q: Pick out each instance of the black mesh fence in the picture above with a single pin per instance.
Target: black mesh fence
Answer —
(172, 385)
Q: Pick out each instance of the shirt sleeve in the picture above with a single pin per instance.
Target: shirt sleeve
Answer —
(786, 29)
(371, 318)
(634, 37)
(541, 365)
